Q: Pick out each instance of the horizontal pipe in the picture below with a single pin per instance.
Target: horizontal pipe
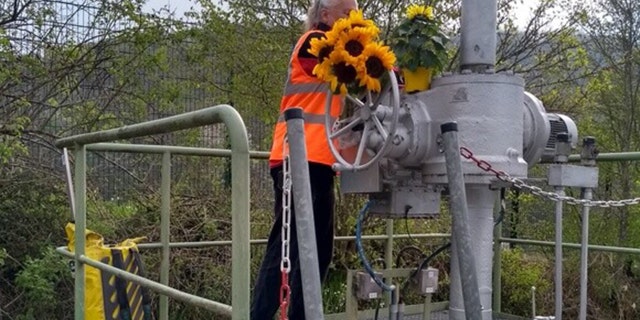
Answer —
(572, 245)
(202, 244)
(157, 245)
(191, 151)
(217, 307)
(187, 151)
(613, 156)
(408, 309)
(183, 121)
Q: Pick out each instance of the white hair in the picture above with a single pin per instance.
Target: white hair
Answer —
(314, 15)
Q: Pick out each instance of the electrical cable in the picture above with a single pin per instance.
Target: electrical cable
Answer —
(407, 248)
(446, 246)
(406, 222)
(361, 255)
(424, 263)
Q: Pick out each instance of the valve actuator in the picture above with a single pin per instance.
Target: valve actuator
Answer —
(387, 147)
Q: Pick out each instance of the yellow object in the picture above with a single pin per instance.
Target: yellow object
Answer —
(106, 296)
(418, 80)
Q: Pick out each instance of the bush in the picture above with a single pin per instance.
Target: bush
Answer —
(520, 272)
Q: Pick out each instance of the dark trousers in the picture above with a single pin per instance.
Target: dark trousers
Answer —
(266, 295)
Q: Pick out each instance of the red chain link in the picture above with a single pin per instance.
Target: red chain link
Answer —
(285, 296)
(486, 166)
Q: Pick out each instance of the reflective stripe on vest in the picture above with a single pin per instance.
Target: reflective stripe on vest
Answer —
(309, 93)
(298, 88)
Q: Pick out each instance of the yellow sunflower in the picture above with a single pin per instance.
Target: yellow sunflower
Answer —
(341, 25)
(321, 48)
(356, 19)
(322, 70)
(337, 87)
(377, 59)
(353, 41)
(415, 10)
(343, 71)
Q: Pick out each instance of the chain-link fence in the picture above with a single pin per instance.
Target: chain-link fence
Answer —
(91, 96)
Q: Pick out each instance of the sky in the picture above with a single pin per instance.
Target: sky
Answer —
(179, 7)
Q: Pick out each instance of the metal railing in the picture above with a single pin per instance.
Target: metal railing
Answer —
(240, 247)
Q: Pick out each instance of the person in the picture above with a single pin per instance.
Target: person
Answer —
(302, 89)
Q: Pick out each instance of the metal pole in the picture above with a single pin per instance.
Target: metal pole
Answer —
(72, 198)
(426, 312)
(305, 226)
(588, 157)
(388, 258)
(497, 258)
(558, 252)
(478, 34)
(533, 302)
(463, 257)
(81, 226)
(165, 231)
(240, 213)
(584, 254)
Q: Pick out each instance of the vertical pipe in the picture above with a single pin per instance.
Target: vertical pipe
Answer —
(305, 226)
(480, 204)
(81, 225)
(165, 232)
(584, 254)
(388, 258)
(478, 34)
(426, 312)
(533, 302)
(497, 258)
(351, 303)
(558, 254)
(463, 265)
(240, 195)
(72, 198)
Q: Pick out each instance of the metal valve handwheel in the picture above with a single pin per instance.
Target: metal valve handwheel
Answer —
(368, 116)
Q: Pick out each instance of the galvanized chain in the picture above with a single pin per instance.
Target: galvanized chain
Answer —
(520, 184)
(285, 262)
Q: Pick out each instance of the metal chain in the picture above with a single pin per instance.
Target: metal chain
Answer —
(285, 262)
(520, 184)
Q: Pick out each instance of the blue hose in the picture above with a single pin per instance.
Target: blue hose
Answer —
(363, 258)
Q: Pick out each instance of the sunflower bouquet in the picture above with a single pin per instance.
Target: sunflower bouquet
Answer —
(351, 58)
(417, 41)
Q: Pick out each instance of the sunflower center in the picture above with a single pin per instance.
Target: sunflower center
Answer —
(375, 68)
(344, 72)
(354, 47)
(324, 53)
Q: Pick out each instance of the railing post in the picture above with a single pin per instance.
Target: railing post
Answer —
(388, 258)
(497, 257)
(165, 230)
(81, 226)
(240, 192)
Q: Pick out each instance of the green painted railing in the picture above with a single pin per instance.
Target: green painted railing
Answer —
(239, 205)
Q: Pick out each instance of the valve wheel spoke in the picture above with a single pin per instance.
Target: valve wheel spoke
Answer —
(345, 129)
(383, 132)
(363, 144)
(370, 109)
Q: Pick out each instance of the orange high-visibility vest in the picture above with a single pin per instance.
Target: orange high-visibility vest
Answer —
(310, 94)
